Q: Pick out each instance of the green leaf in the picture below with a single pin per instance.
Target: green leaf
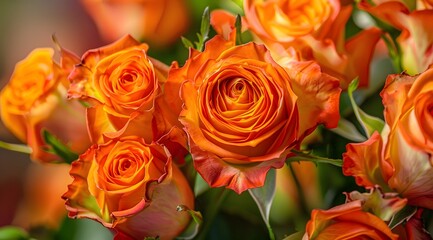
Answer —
(58, 148)
(22, 148)
(13, 233)
(186, 42)
(239, 3)
(307, 156)
(295, 236)
(381, 204)
(205, 23)
(403, 215)
(410, 4)
(370, 124)
(393, 51)
(191, 231)
(238, 26)
(85, 104)
(204, 30)
(348, 130)
(200, 185)
(264, 196)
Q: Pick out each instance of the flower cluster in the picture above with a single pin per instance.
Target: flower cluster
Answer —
(261, 95)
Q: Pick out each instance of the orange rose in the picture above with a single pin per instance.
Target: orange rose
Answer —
(313, 30)
(400, 159)
(35, 99)
(347, 221)
(285, 20)
(131, 187)
(160, 22)
(241, 112)
(416, 37)
(124, 86)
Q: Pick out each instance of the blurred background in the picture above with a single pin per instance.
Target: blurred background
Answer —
(24, 26)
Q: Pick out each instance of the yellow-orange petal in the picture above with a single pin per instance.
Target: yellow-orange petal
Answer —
(363, 162)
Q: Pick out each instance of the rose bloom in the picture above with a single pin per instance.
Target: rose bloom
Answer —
(35, 99)
(313, 30)
(123, 86)
(131, 187)
(399, 159)
(347, 221)
(160, 22)
(285, 20)
(243, 113)
(416, 37)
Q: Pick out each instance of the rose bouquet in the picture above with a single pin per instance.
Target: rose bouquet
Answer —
(228, 120)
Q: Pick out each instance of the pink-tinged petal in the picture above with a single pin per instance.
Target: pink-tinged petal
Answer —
(416, 38)
(416, 41)
(68, 59)
(413, 173)
(363, 162)
(383, 205)
(394, 96)
(390, 11)
(217, 172)
(318, 96)
(416, 124)
(162, 210)
(415, 228)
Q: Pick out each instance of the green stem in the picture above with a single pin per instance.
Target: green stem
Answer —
(16, 147)
(302, 156)
(394, 52)
(211, 213)
(302, 201)
(271, 232)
